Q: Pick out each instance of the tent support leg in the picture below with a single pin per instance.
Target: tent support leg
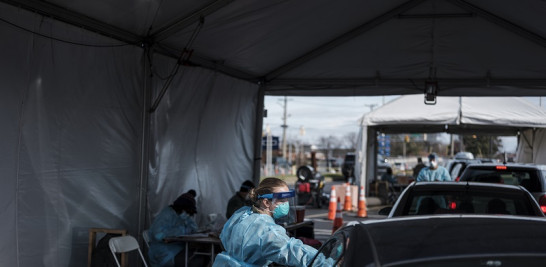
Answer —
(258, 134)
(145, 140)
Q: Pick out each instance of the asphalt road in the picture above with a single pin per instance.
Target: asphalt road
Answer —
(323, 226)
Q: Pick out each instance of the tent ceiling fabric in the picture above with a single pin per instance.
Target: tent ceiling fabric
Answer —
(320, 47)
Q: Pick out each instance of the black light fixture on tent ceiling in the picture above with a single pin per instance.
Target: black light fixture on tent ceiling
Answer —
(431, 88)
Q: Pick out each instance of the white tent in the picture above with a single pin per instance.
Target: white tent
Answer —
(110, 109)
(532, 146)
(409, 114)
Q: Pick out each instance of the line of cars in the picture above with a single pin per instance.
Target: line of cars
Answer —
(493, 216)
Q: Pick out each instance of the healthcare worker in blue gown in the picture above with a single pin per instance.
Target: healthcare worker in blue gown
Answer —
(174, 220)
(251, 237)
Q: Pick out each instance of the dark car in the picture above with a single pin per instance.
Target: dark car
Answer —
(382, 165)
(449, 240)
(530, 176)
(428, 198)
(348, 166)
(455, 167)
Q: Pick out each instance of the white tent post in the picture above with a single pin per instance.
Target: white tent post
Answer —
(360, 156)
(365, 164)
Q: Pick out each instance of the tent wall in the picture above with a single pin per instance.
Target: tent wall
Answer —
(203, 138)
(74, 121)
(366, 164)
(70, 140)
(532, 146)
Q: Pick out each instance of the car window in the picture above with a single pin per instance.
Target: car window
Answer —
(456, 170)
(334, 247)
(526, 178)
(349, 158)
(469, 202)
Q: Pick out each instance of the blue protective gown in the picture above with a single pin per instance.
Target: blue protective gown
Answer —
(168, 223)
(429, 175)
(253, 239)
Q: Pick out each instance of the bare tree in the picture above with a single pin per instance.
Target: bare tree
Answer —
(328, 144)
(350, 140)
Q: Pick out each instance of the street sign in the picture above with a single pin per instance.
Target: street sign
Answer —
(274, 142)
(384, 145)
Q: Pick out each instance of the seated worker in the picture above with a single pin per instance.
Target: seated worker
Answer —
(388, 177)
(240, 199)
(252, 238)
(174, 220)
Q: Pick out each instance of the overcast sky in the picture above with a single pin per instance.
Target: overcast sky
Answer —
(336, 116)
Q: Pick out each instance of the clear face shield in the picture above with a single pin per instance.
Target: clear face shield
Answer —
(285, 207)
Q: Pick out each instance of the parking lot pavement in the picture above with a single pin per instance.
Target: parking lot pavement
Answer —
(323, 226)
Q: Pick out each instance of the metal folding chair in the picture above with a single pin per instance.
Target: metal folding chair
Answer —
(124, 244)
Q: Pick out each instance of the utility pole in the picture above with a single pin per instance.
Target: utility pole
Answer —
(284, 126)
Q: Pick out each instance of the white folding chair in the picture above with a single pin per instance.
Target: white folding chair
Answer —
(146, 237)
(124, 244)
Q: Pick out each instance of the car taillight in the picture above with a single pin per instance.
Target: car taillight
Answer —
(501, 167)
(542, 203)
(452, 205)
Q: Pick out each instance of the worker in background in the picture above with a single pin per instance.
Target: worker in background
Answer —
(240, 199)
(433, 172)
(418, 167)
(174, 220)
(252, 238)
(389, 177)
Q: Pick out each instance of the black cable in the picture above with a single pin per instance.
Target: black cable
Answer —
(181, 59)
(61, 40)
(155, 16)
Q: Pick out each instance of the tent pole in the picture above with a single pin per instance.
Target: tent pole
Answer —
(145, 140)
(258, 134)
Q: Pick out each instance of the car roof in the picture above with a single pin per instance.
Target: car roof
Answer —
(401, 239)
(464, 155)
(513, 165)
(428, 186)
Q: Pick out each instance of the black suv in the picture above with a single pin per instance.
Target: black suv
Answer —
(348, 167)
(529, 176)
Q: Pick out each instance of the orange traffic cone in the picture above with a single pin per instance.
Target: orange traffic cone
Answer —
(332, 207)
(361, 204)
(339, 217)
(348, 205)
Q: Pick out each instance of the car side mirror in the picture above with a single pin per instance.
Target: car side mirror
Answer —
(385, 211)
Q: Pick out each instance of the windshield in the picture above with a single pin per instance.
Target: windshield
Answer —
(477, 260)
(469, 202)
(349, 158)
(512, 176)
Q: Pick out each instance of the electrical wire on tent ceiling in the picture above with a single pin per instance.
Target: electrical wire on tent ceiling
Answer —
(182, 59)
